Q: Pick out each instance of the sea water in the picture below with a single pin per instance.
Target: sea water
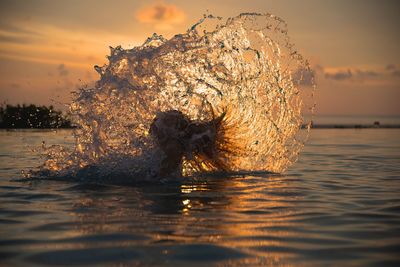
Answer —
(94, 195)
(338, 205)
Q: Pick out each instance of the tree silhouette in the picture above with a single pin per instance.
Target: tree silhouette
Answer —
(32, 116)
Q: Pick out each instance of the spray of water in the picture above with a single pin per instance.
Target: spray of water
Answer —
(242, 76)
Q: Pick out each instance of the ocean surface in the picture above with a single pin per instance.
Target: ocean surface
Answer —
(355, 120)
(339, 205)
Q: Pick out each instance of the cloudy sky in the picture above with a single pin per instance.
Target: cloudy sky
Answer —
(48, 47)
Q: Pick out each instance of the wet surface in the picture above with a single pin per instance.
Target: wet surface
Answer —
(339, 205)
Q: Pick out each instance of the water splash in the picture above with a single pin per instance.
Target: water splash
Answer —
(244, 71)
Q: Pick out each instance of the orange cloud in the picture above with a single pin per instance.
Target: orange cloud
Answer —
(161, 15)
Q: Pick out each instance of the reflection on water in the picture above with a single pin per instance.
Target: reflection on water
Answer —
(338, 205)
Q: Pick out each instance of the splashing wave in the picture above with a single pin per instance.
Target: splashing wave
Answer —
(244, 73)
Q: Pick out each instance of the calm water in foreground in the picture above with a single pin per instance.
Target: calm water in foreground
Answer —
(338, 205)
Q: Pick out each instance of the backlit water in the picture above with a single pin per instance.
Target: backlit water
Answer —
(338, 205)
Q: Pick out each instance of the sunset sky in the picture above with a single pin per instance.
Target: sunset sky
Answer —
(48, 48)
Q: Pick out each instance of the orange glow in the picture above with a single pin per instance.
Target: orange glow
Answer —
(162, 15)
(35, 38)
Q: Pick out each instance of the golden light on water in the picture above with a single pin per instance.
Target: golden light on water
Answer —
(189, 188)
(98, 199)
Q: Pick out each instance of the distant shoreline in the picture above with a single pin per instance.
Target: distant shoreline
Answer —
(355, 126)
(315, 126)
